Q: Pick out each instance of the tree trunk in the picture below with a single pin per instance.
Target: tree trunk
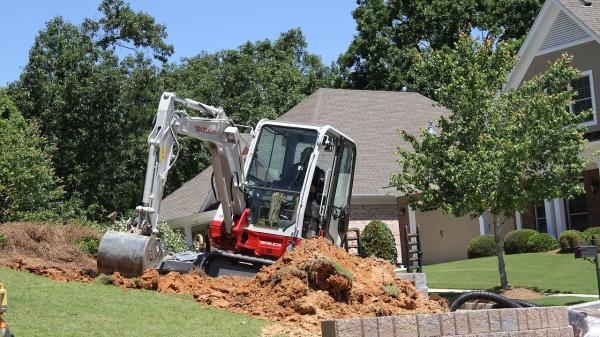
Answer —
(500, 251)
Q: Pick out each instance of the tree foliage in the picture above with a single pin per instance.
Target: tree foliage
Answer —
(96, 105)
(497, 151)
(120, 26)
(28, 185)
(392, 33)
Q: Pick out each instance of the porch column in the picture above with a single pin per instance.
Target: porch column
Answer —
(560, 215)
(189, 240)
(550, 222)
(519, 220)
(412, 220)
(484, 223)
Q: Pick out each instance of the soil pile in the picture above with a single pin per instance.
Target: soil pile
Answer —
(48, 250)
(521, 294)
(315, 282)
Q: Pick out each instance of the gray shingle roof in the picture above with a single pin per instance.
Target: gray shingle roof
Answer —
(589, 15)
(187, 199)
(370, 118)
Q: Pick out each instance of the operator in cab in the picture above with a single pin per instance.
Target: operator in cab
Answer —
(294, 178)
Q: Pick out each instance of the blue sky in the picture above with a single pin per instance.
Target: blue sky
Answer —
(193, 26)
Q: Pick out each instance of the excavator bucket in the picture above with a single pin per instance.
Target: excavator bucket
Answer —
(129, 254)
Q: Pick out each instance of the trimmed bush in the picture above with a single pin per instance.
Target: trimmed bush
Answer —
(481, 246)
(570, 239)
(515, 241)
(587, 234)
(377, 239)
(541, 242)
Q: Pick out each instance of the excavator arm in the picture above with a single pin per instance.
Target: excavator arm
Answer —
(133, 252)
(225, 145)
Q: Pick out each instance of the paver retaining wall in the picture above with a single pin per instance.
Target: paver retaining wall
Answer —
(529, 322)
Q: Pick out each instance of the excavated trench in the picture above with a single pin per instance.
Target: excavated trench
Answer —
(315, 282)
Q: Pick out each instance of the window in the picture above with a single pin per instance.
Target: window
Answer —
(540, 218)
(577, 213)
(585, 100)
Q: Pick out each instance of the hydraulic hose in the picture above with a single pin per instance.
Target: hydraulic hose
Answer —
(501, 301)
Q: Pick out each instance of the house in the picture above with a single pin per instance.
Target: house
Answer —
(573, 27)
(372, 119)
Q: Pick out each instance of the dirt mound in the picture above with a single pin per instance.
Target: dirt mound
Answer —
(521, 294)
(315, 282)
(48, 250)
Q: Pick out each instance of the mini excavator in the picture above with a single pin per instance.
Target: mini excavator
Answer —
(291, 182)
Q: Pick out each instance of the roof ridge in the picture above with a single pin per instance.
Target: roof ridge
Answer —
(370, 91)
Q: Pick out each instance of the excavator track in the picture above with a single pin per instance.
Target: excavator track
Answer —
(220, 263)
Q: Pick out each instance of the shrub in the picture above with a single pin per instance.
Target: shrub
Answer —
(481, 246)
(29, 187)
(515, 241)
(587, 234)
(541, 242)
(377, 239)
(570, 239)
(89, 245)
(173, 241)
(3, 240)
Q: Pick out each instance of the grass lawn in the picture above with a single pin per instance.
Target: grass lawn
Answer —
(41, 307)
(545, 272)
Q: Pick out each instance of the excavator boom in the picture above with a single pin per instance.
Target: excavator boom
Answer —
(139, 249)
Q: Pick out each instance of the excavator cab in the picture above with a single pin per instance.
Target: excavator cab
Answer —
(299, 181)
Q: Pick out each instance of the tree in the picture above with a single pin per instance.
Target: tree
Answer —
(390, 34)
(497, 152)
(92, 105)
(28, 185)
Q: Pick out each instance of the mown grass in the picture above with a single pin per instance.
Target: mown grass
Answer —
(42, 307)
(546, 272)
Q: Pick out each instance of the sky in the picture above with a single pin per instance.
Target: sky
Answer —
(192, 26)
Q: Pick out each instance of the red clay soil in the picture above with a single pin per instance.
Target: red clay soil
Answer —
(48, 250)
(315, 282)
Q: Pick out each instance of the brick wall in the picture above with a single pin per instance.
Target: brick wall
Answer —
(362, 214)
(528, 218)
(530, 322)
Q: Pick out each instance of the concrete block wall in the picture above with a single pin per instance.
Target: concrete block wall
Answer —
(530, 322)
